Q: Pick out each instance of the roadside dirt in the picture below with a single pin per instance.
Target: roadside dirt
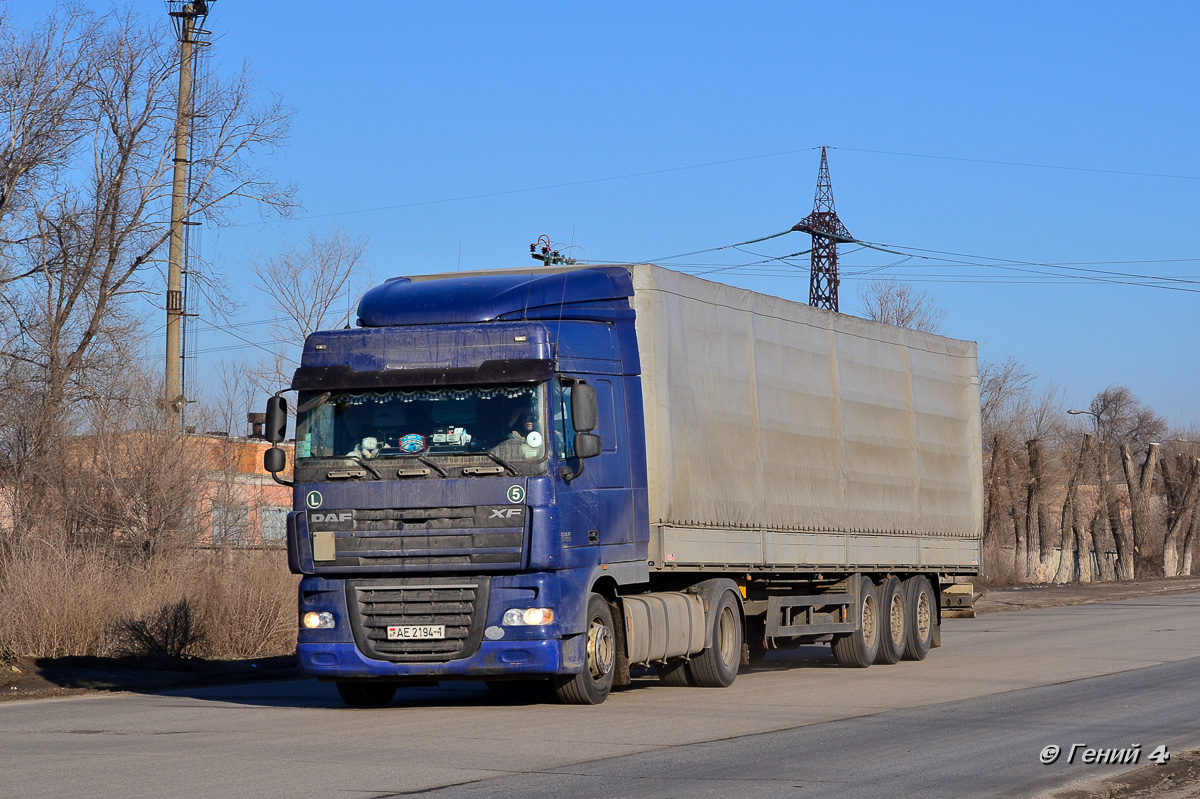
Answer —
(27, 677)
(996, 600)
(1178, 778)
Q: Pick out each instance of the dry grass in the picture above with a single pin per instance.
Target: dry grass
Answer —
(70, 601)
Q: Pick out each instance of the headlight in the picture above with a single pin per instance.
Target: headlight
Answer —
(317, 621)
(530, 617)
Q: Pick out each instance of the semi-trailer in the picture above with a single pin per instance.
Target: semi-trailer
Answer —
(563, 474)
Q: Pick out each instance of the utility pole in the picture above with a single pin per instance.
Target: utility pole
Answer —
(826, 231)
(187, 19)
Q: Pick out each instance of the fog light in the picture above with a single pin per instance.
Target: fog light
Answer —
(528, 617)
(316, 621)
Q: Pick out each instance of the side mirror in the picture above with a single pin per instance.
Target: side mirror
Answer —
(584, 416)
(587, 445)
(276, 424)
(274, 461)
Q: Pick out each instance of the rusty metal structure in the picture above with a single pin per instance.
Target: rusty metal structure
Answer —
(827, 232)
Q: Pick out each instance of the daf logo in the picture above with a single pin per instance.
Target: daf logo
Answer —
(332, 516)
(505, 513)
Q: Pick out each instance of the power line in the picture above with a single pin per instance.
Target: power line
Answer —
(1100, 275)
(547, 187)
(249, 342)
(1022, 164)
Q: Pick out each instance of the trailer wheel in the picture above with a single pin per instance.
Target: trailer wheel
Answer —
(367, 694)
(893, 618)
(922, 618)
(591, 686)
(717, 666)
(857, 649)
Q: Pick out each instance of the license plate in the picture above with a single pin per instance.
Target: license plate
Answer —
(416, 632)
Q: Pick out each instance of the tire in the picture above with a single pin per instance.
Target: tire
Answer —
(674, 673)
(856, 650)
(366, 694)
(922, 618)
(893, 622)
(592, 685)
(717, 666)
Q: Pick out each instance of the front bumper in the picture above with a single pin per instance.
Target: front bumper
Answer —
(493, 659)
(518, 651)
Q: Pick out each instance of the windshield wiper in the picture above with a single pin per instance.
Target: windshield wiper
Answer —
(433, 466)
(367, 466)
(422, 459)
(496, 458)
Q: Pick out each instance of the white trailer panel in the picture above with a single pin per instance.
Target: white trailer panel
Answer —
(784, 436)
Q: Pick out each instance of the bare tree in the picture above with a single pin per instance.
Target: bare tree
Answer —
(1125, 424)
(897, 303)
(86, 114)
(1075, 540)
(1181, 482)
(306, 284)
(1004, 393)
(1139, 482)
(1004, 390)
(307, 288)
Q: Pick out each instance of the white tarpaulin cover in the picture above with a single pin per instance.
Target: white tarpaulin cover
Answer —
(764, 414)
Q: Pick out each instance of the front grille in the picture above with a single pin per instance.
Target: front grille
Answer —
(459, 604)
(425, 539)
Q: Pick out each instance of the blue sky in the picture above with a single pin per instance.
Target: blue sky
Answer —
(452, 135)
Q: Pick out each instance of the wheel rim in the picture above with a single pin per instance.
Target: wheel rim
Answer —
(727, 636)
(924, 616)
(897, 619)
(870, 621)
(601, 651)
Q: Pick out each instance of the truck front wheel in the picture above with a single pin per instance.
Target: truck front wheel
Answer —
(592, 685)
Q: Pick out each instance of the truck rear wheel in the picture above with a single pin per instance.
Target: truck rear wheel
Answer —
(893, 617)
(367, 694)
(592, 685)
(717, 666)
(857, 649)
(922, 618)
(674, 673)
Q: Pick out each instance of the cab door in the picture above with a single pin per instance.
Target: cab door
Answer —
(596, 507)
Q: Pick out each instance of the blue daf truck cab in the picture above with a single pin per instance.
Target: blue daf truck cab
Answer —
(475, 497)
(468, 498)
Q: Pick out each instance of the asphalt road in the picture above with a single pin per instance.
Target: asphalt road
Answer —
(969, 721)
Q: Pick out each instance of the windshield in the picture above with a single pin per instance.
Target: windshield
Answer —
(507, 421)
